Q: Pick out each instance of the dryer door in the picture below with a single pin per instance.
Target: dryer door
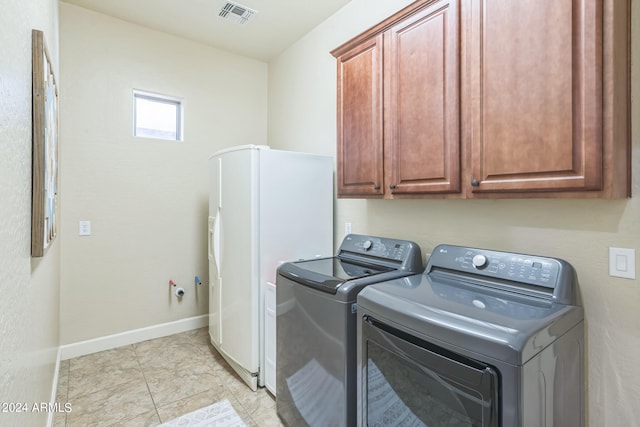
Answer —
(418, 384)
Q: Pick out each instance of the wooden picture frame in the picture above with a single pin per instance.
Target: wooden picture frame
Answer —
(44, 209)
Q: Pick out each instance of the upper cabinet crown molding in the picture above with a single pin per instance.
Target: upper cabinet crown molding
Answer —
(481, 99)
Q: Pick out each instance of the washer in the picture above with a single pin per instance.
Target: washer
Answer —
(316, 326)
(481, 338)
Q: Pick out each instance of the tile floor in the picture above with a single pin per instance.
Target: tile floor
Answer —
(155, 381)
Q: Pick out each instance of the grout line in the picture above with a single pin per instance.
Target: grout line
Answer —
(83, 393)
(196, 339)
(155, 405)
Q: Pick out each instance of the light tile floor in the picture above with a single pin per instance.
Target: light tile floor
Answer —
(155, 381)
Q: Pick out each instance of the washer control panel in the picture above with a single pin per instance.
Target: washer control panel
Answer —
(528, 269)
(380, 249)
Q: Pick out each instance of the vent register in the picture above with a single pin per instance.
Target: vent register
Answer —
(236, 12)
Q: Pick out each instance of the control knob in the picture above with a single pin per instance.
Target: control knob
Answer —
(367, 245)
(479, 261)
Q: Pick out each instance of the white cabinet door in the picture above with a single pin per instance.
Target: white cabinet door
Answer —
(270, 337)
(238, 264)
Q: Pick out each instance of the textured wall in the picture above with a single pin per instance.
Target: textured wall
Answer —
(29, 310)
(302, 86)
(146, 199)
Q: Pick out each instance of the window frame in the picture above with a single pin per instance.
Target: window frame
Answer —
(160, 99)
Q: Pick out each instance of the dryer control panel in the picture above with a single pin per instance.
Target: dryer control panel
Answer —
(506, 269)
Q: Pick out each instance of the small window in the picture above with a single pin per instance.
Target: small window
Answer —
(157, 116)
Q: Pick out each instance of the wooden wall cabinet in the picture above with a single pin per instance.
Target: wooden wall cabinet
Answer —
(360, 121)
(487, 99)
(541, 101)
(398, 105)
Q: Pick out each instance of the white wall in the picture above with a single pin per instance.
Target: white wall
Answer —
(146, 199)
(302, 116)
(29, 310)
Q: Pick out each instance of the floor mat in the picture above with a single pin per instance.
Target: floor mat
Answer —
(220, 414)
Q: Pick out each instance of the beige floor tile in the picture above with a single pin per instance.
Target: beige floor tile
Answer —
(59, 419)
(254, 401)
(63, 382)
(110, 405)
(192, 403)
(84, 383)
(242, 412)
(172, 385)
(162, 345)
(173, 357)
(148, 419)
(121, 356)
(266, 418)
(155, 381)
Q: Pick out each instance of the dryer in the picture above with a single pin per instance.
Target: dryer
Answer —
(481, 338)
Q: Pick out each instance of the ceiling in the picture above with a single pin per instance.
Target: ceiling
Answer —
(276, 25)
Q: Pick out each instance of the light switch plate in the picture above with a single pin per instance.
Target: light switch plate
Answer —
(622, 263)
(347, 228)
(85, 228)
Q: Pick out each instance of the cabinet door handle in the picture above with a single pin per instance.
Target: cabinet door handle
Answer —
(376, 187)
(392, 186)
(475, 183)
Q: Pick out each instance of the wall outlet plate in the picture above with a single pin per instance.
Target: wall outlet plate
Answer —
(622, 263)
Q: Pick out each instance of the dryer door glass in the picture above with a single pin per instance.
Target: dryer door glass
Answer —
(418, 384)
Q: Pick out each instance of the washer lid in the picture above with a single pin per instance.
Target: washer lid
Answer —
(507, 327)
(328, 274)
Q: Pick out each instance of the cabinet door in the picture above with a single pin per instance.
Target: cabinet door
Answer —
(360, 129)
(536, 95)
(422, 104)
(270, 337)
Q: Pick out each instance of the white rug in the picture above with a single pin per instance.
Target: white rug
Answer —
(220, 414)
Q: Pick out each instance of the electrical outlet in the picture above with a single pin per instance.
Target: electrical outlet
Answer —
(85, 228)
(622, 263)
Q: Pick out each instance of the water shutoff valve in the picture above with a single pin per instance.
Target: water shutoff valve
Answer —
(179, 291)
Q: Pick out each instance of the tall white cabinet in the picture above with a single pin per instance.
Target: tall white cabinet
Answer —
(265, 207)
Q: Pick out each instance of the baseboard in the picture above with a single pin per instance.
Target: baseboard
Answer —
(54, 389)
(69, 351)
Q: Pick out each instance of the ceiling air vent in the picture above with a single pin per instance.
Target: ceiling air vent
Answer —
(235, 12)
